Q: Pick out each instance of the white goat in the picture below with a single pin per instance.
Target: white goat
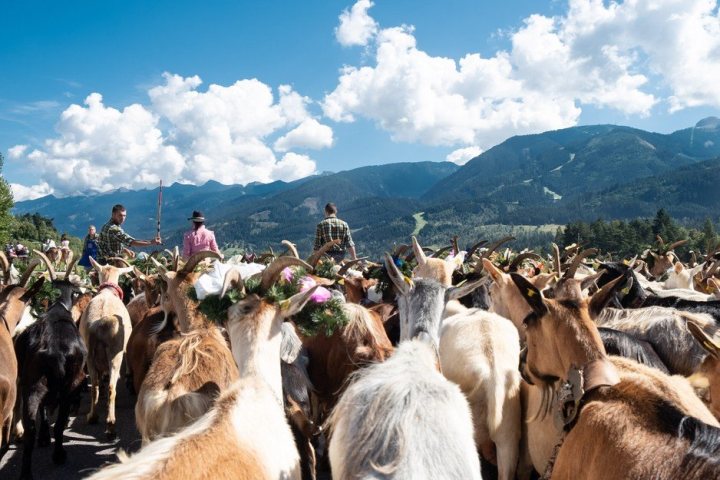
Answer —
(246, 434)
(401, 418)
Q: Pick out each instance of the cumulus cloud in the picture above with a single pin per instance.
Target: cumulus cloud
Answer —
(598, 53)
(356, 26)
(309, 134)
(22, 192)
(462, 155)
(183, 134)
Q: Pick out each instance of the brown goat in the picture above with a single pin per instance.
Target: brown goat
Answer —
(622, 427)
(710, 368)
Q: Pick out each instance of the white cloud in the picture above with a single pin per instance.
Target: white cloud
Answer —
(21, 192)
(356, 26)
(309, 134)
(462, 155)
(17, 151)
(623, 56)
(183, 134)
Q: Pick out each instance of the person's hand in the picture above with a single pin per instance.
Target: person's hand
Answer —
(157, 240)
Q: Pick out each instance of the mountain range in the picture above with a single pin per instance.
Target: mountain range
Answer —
(526, 186)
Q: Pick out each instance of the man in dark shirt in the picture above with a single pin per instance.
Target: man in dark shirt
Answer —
(332, 228)
(113, 239)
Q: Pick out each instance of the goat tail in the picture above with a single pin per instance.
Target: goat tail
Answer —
(105, 329)
(159, 415)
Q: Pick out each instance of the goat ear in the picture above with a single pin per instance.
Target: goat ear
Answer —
(679, 267)
(604, 295)
(419, 253)
(398, 279)
(590, 279)
(453, 293)
(95, 264)
(494, 272)
(27, 296)
(531, 294)
(704, 339)
(294, 304)
(542, 280)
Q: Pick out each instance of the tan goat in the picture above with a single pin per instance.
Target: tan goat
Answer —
(105, 328)
(622, 426)
(245, 435)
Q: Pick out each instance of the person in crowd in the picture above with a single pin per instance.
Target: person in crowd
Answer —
(198, 238)
(113, 239)
(90, 248)
(332, 228)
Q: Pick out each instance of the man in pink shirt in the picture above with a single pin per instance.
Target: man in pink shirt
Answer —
(199, 238)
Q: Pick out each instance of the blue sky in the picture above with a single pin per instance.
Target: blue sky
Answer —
(298, 89)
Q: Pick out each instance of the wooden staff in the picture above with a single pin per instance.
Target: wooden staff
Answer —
(159, 211)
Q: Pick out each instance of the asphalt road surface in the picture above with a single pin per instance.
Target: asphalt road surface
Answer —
(87, 445)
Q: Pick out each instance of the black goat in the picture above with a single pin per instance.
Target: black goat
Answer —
(51, 357)
(625, 345)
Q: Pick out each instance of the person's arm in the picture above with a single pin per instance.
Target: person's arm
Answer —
(186, 246)
(214, 246)
(351, 249)
(146, 243)
(350, 245)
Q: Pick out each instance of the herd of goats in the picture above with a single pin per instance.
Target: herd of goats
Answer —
(565, 366)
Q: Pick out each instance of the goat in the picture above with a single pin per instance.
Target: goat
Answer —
(621, 427)
(625, 345)
(144, 340)
(13, 300)
(187, 373)
(245, 435)
(478, 351)
(402, 418)
(105, 328)
(51, 356)
(710, 367)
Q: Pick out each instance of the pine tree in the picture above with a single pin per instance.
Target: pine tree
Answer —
(6, 204)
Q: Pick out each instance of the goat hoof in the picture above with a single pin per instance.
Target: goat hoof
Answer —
(92, 419)
(110, 431)
(59, 456)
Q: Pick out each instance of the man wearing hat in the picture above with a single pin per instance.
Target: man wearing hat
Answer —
(199, 238)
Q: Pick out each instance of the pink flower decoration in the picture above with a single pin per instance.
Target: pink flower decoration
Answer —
(320, 295)
(287, 274)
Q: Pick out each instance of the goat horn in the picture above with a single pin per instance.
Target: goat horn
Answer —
(660, 241)
(674, 245)
(291, 248)
(28, 272)
(316, 256)
(556, 259)
(400, 249)
(346, 266)
(475, 247)
(411, 255)
(195, 259)
(160, 267)
(140, 275)
(118, 260)
(48, 264)
(491, 248)
(70, 265)
(521, 258)
(570, 273)
(271, 273)
(176, 258)
(232, 276)
(455, 244)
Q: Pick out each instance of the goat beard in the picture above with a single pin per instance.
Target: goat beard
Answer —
(547, 391)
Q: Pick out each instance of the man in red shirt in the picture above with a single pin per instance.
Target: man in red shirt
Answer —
(199, 238)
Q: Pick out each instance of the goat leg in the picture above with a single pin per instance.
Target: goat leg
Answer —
(59, 455)
(44, 433)
(112, 392)
(31, 404)
(92, 416)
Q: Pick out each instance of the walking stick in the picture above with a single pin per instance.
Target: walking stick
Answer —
(159, 210)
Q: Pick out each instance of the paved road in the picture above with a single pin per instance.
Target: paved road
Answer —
(87, 446)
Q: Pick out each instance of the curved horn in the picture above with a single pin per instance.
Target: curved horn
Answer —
(570, 273)
(176, 258)
(195, 259)
(440, 251)
(660, 241)
(517, 261)
(48, 264)
(455, 244)
(70, 265)
(160, 267)
(28, 272)
(118, 260)
(232, 276)
(291, 248)
(271, 273)
(400, 249)
(316, 256)
(346, 266)
(140, 275)
(491, 248)
(474, 248)
(674, 245)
